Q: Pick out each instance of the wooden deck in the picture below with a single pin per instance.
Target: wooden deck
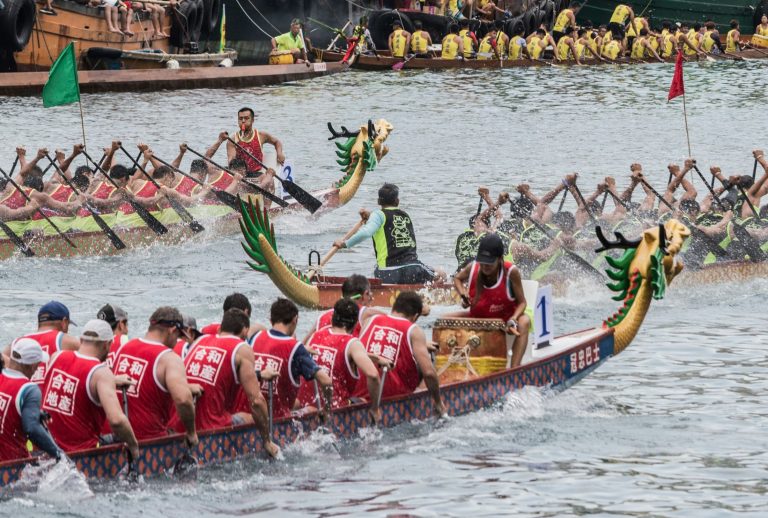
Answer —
(97, 81)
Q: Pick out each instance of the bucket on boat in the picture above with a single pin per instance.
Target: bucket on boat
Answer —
(280, 57)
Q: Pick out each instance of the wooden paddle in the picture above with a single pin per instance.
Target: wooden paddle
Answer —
(400, 64)
(749, 45)
(584, 202)
(223, 196)
(253, 186)
(113, 238)
(39, 210)
(152, 222)
(754, 170)
(15, 239)
(270, 397)
(178, 208)
(308, 201)
(381, 387)
(583, 263)
(335, 249)
(133, 464)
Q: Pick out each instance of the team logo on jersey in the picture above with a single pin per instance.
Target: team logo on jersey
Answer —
(60, 393)
(39, 375)
(133, 367)
(326, 358)
(385, 342)
(267, 361)
(5, 405)
(205, 364)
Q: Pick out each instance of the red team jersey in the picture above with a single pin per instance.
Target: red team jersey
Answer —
(50, 341)
(333, 359)
(77, 417)
(149, 404)
(148, 190)
(325, 319)
(62, 193)
(186, 186)
(390, 337)
(13, 440)
(16, 200)
(496, 301)
(254, 148)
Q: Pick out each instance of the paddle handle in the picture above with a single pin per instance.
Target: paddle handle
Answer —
(381, 386)
(125, 401)
(270, 397)
(334, 249)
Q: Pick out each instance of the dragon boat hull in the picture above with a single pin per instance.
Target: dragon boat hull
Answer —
(567, 360)
(384, 295)
(385, 62)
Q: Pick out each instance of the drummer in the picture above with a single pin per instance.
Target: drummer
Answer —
(291, 41)
(491, 287)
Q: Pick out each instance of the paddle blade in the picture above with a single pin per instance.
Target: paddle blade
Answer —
(17, 241)
(227, 199)
(398, 66)
(152, 222)
(308, 201)
(113, 238)
(186, 467)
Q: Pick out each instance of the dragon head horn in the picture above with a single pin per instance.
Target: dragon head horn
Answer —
(345, 133)
(621, 242)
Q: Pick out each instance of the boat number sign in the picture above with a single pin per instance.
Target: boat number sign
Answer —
(542, 316)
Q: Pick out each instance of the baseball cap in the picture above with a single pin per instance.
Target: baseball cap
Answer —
(112, 314)
(191, 323)
(97, 330)
(28, 351)
(295, 21)
(491, 248)
(53, 311)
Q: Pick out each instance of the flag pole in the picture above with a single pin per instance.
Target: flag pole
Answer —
(687, 135)
(82, 123)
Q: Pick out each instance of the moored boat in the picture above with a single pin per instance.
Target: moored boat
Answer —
(362, 151)
(647, 267)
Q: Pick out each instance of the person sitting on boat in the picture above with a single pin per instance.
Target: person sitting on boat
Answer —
(278, 350)
(584, 46)
(291, 41)
(399, 40)
(711, 43)
(80, 393)
(399, 339)
(21, 402)
(223, 365)
(52, 326)
(160, 380)
(342, 356)
(565, 20)
(566, 47)
(420, 40)
(668, 41)
(487, 9)
(106, 196)
(642, 48)
(733, 39)
(117, 319)
(633, 31)
(253, 141)
(491, 287)
(538, 42)
(394, 242)
(356, 288)
(452, 46)
(189, 334)
(621, 15)
(518, 47)
(614, 48)
(468, 39)
(453, 9)
(236, 301)
(490, 48)
(762, 28)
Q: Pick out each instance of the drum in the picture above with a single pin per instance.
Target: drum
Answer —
(470, 347)
(281, 57)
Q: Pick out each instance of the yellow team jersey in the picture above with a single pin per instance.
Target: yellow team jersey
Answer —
(469, 44)
(450, 47)
(654, 41)
(612, 49)
(668, 46)
(606, 40)
(581, 49)
(762, 30)
(563, 49)
(453, 6)
(620, 14)
(398, 43)
(485, 51)
(535, 48)
(516, 46)
(638, 48)
(730, 41)
(634, 30)
(563, 21)
(594, 44)
(708, 42)
(693, 38)
(418, 42)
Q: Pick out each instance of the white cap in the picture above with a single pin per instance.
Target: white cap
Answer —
(97, 330)
(28, 352)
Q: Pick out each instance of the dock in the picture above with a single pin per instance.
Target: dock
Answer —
(147, 80)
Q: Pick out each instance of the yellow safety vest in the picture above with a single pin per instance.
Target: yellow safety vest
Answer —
(562, 22)
(469, 43)
(654, 41)
(638, 49)
(612, 49)
(563, 50)
(418, 43)
(516, 48)
(708, 43)
(620, 14)
(634, 31)
(398, 43)
(450, 47)
(730, 41)
(534, 48)
(581, 50)
(485, 49)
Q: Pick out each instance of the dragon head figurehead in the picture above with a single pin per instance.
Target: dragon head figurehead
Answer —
(359, 154)
(641, 274)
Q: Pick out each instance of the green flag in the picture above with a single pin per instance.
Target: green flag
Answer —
(62, 86)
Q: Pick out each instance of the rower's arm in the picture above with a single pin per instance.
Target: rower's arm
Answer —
(375, 220)
(424, 362)
(246, 371)
(757, 187)
(626, 196)
(177, 161)
(516, 284)
(216, 145)
(357, 353)
(67, 162)
(573, 50)
(551, 195)
(175, 379)
(460, 281)
(31, 401)
(41, 153)
(269, 139)
(104, 383)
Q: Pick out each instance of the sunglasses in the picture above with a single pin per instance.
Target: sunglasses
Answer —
(171, 323)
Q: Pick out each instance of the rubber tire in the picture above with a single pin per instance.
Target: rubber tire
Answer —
(211, 13)
(760, 10)
(548, 13)
(16, 22)
(183, 22)
(514, 24)
(380, 25)
(529, 20)
(197, 27)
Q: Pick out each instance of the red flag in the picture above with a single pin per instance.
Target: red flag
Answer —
(677, 87)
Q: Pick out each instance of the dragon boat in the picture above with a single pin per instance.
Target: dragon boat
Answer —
(469, 382)
(358, 155)
(384, 61)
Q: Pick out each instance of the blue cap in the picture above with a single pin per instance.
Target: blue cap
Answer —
(53, 312)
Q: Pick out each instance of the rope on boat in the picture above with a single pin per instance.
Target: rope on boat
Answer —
(265, 18)
(268, 35)
(359, 6)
